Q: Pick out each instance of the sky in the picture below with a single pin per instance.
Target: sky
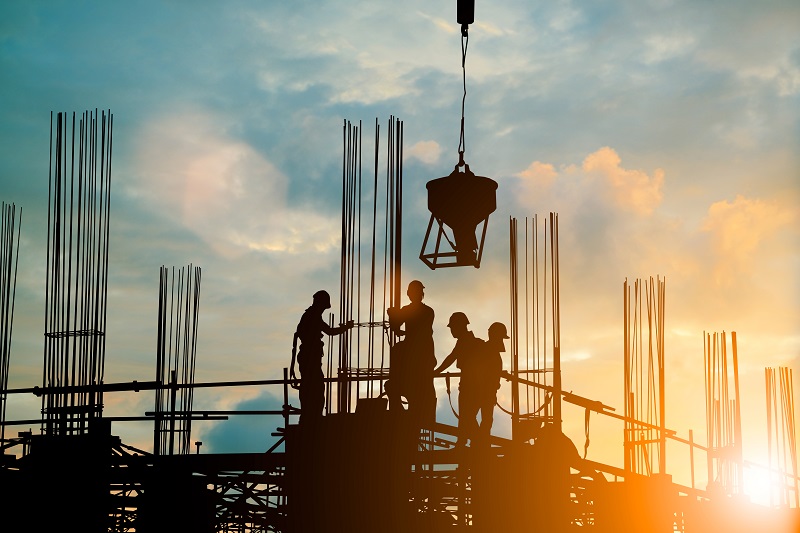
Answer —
(664, 133)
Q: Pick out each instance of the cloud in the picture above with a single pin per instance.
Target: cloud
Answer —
(446, 26)
(349, 51)
(664, 47)
(539, 173)
(245, 433)
(427, 152)
(191, 170)
(565, 17)
(373, 79)
(633, 190)
(739, 232)
(601, 173)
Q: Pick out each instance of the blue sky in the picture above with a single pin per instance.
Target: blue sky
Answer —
(664, 133)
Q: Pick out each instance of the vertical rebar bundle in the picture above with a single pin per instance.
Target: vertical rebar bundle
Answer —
(781, 436)
(723, 413)
(79, 199)
(9, 260)
(176, 354)
(644, 376)
(361, 244)
(540, 330)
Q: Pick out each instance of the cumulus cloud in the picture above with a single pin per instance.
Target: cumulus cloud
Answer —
(539, 173)
(427, 152)
(601, 173)
(739, 230)
(223, 189)
(633, 190)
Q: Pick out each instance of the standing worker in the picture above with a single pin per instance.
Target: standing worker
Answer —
(413, 358)
(490, 367)
(467, 353)
(309, 331)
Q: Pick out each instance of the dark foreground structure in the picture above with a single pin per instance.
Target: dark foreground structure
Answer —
(358, 472)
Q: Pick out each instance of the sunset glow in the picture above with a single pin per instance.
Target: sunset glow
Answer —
(664, 134)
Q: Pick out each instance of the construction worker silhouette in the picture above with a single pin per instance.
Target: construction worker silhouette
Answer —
(413, 358)
(467, 354)
(489, 368)
(309, 332)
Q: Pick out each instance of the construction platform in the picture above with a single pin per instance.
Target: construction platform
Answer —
(355, 472)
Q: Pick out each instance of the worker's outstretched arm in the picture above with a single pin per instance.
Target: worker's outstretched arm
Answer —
(449, 360)
(339, 329)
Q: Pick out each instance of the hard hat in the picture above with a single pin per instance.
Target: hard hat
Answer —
(458, 319)
(323, 298)
(416, 284)
(498, 331)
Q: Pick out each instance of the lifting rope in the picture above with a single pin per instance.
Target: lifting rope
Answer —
(461, 143)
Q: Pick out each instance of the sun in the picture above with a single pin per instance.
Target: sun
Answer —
(758, 486)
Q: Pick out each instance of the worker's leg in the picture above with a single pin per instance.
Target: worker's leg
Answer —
(312, 392)
(428, 402)
(398, 377)
(422, 400)
(467, 417)
(487, 419)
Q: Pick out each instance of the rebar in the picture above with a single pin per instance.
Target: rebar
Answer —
(9, 262)
(357, 255)
(541, 332)
(79, 201)
(176, 357)
(644, 379)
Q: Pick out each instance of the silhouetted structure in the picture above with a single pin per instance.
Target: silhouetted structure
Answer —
(645, 447)
(462, 200)
(176, 357)
(77, 270)
(9, 260)
(723, 415)
(781, 435)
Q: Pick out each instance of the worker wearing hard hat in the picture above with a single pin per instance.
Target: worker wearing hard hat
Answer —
(467, 354)
(490, 367)
(309, 331)
(413, 358)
